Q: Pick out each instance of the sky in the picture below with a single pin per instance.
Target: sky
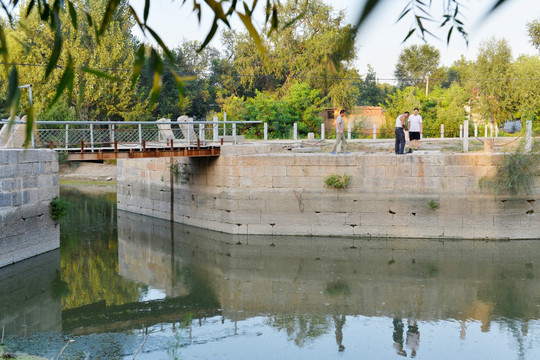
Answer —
(379, 42)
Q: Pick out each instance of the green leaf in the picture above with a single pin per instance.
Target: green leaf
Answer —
(30, 7)
(156, 65)
(55, 54)
(66, 81)
(164, 47)
(136, 17)
(210, 34)
(408, 35)
(367, 10)
(89, 19)
(14, 93)
(72, 14)
(137, 65)
(253, 33)
(30, 119)
(107, 16)
(100, 74)
(449, 35)
(146, 10)
(3, 45)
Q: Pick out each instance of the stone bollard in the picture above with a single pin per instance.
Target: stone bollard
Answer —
(311, 136)
(322, 131)
(215, 135)
(374, 131)
(460, 131)
(485, 130)
(442, 131)
(475, 130)
(349, 131)
(528, 136)
(465, 135)
(490, 130)
(295, 131)
(265, 131)
(496, 130)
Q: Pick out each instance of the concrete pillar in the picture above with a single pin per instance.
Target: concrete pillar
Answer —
(295, 131)
(465, 135)
(460, 131)
(442, 131)
(374, 131)
(265, 131)
(528, 136)
(475, 130)
(349, 131)
(322, 131)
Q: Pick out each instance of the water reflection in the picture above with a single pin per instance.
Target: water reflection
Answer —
(308, 287)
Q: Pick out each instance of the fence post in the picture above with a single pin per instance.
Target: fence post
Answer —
(528, 137)
(140, 135)
(224, 123)
(112, 134)
(496, 130)
(295, 131)
(33, 139)
(265, 131)
(374, 131)
(442, 131)
(322, 131)
(475, 130)
(349, 131)
(460, 131)
(67, 136)
(485, 130)
(92, 137)
(466, 135)
(234, 132)
(202, 134)
(490, 130)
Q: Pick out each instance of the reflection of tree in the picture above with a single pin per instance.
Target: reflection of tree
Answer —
(89, 252)
(301, 328)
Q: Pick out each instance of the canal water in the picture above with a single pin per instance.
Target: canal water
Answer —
(121, 280)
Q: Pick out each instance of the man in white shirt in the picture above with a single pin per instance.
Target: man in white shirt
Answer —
(400, 133)
(415, 128)
(339, 134)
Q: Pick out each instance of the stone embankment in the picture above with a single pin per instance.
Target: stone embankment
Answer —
(251, 189)
(28, 183)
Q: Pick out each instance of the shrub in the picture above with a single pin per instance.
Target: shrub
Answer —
(337, 181)
(57, 208)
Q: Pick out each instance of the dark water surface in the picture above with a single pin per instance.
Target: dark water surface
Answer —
(197, 294)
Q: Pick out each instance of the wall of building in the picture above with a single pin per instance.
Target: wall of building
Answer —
(28, 183)
(251, 189)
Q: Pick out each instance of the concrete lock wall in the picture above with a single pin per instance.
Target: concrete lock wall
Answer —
(251, 190)
(28, 183)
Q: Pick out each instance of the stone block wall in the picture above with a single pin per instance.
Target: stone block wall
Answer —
(28, 183)
(250, 189)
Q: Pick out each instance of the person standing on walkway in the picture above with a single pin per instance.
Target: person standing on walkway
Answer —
(415, 128)
(400, 132)
(340, 138)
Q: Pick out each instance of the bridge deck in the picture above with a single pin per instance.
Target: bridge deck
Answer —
(136, 152)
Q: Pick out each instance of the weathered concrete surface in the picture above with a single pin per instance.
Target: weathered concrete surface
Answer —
(28, 182)
(411, 278)
(250, 190)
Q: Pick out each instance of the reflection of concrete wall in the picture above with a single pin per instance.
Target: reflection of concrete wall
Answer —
(28, 182)
(423, 279)
(249, 189)
(27, 296)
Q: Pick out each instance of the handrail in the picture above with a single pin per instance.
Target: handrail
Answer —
(84, 122)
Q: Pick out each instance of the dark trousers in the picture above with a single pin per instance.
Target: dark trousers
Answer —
(400, 140)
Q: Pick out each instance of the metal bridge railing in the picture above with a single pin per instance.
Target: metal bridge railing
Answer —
(92, 135)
